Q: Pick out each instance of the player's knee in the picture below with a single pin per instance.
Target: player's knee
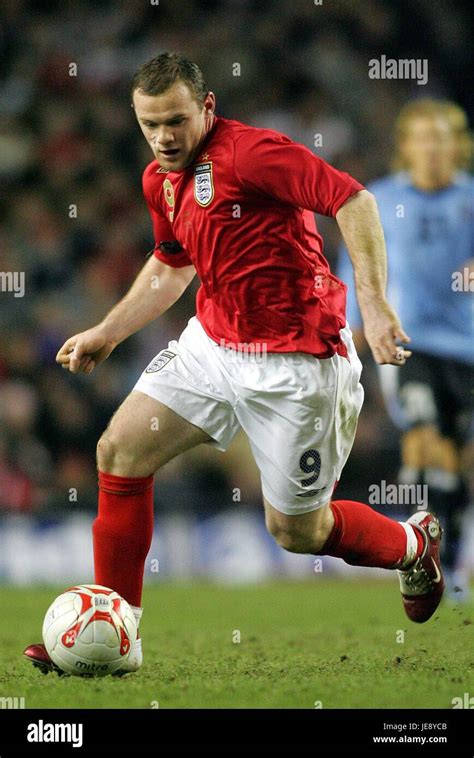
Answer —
(415, 444)
(106, 452)
(443, 455)
(424, 447)
(290, 540)
(114, 457)
(298, 538)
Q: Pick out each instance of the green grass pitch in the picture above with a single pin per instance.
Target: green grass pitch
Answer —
(324, 643)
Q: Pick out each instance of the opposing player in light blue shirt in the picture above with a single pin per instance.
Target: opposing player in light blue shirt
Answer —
(427, 212)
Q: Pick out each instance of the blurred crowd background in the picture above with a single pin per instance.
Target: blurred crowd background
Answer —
(71, 142)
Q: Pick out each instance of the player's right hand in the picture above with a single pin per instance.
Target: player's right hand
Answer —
(83, 352)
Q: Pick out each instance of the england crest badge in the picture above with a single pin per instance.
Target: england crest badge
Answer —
(159, 361)
(203, 183)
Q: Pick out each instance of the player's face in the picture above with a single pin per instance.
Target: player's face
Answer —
(429, 147)
(174, 123)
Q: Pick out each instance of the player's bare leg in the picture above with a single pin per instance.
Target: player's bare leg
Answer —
(141, 437)
(306, 533)
(363, 537)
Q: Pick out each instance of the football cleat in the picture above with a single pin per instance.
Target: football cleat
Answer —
(422, 584)
(40, 659)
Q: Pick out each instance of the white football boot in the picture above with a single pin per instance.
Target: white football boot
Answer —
(135, 659)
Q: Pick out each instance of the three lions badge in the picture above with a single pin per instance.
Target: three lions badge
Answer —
(159, 361)
(203, 183)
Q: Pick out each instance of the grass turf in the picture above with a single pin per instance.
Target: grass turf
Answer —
(327, 640)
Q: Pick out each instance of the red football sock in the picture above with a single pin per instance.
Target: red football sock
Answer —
(122, 533)
(363, 537)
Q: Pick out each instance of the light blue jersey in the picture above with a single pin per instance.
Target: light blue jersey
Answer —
(429, 236)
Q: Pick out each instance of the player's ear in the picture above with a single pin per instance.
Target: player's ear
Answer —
(210, 103)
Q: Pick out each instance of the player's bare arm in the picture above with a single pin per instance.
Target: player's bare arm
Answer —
(360, 226)
(156, 288)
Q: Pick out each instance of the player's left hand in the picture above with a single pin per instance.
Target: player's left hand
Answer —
(383, 332)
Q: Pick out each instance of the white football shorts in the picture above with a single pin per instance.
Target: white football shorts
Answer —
(299, 412)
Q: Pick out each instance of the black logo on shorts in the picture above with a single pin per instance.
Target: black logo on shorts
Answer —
(159, 361)
(309, 493)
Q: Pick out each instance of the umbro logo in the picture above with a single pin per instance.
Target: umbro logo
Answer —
(309, 493)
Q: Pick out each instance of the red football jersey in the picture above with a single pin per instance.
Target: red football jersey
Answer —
(243, 215)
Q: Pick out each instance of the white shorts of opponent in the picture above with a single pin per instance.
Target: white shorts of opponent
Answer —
(299, 412)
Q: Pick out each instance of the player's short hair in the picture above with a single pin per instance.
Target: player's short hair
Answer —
(451, 112)
(159, 73)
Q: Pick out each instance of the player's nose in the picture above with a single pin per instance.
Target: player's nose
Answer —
(163, 139)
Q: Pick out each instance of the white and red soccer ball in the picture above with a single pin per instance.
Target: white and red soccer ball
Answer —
(89, 629)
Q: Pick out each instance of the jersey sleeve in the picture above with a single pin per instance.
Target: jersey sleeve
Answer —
(269, 163)
(167, 248)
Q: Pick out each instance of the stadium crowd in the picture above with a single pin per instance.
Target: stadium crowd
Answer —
(74, 221)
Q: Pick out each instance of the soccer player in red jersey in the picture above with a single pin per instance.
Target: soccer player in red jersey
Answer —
(268, 350)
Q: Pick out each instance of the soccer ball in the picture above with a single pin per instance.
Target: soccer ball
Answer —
(89, 629)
